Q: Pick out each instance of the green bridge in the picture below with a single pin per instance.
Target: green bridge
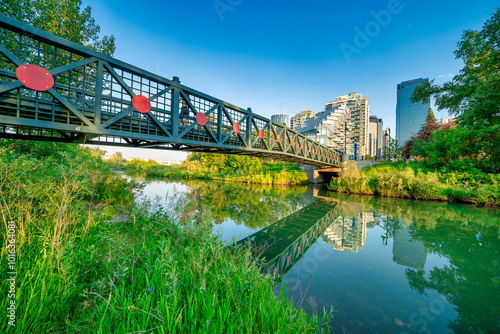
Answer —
(55, 90)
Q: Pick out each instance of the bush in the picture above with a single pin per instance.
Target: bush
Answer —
(419, 181)
(224, 167)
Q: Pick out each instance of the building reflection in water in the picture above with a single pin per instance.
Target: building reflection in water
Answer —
(348, 234)
(407, 251)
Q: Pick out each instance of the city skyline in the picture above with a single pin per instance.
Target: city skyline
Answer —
(282, 59)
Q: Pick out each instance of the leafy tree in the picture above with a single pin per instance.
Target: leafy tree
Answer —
(474, 94)
(407, 147)
(393, 150)
(214, 161)
(424, 134)
(116, 158)
(64, 18)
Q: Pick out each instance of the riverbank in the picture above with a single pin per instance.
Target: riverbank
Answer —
(414, 180)
(267, 173)
(78, 272)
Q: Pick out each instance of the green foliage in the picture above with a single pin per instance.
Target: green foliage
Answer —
(393, 150)
(117, 158)
(474, 95)
(423, 136)
(214, 162)
(225, 167)
(65, 19)
(460, 149)
(57, 195)
(418, 181)
(369, 157)
(430, 119)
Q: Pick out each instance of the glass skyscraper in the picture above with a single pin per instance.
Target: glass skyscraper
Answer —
(409, 116)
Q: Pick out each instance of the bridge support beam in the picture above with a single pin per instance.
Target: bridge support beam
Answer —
(313, 173)
(320, 175)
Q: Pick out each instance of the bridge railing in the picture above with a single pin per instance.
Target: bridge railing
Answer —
(98, 99)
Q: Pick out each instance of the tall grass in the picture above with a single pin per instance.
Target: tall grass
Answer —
(172, 278)
(50, 191)
(79, 272)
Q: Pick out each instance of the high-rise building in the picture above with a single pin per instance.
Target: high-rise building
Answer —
(331, 128)
(281, 119)
(409, 116)
(298, 120)
(360, 111)
(375, 137)
(386, 134)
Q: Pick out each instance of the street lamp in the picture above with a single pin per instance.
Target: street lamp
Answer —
(345, 140)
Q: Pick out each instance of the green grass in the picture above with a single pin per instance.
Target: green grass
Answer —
(181, 279)
(77, 272)
(415, 181)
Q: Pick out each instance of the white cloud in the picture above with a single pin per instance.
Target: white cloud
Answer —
(449, 75)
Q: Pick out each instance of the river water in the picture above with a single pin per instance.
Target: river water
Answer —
(385, 265)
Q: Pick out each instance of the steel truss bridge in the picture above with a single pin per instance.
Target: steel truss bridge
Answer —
(55, 90)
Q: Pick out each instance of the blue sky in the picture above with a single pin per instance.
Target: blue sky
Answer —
(288, 56)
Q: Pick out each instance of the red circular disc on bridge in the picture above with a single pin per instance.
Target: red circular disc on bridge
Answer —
(141, 104)
(301, 146)
(236, 127)
(298, 249)
(288, 259)
(274, 272)
(307, 240)
(291, 142)
(278, 138)
(316, 152)
(261, 134)
(309, 149)
(35, 77)
(201, 119)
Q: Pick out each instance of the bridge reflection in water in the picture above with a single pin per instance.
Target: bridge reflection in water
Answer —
(282, 244)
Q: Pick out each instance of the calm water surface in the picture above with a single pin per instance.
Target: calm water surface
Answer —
(385, 265)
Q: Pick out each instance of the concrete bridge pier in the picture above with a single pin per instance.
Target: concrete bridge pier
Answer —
(317, 175)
